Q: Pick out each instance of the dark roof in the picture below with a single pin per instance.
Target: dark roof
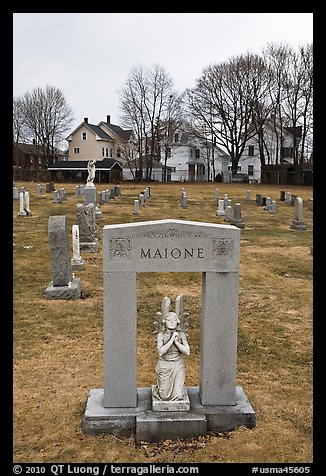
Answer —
(124, 134)
(295, 131)
(105, 164)
(32, 149)
(99, 132)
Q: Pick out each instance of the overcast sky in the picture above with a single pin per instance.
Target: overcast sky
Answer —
(89, 55)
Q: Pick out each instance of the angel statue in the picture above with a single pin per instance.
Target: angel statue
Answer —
(91, 171)
(172, 345)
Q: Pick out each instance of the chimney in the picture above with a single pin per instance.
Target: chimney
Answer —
(108, 119)
(86, 120)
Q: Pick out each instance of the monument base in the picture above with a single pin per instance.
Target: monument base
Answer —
(148, 425)
(89, 247)
(170, 405)
(298, 225)
(238, 223)
(64, 292)
(77, 265)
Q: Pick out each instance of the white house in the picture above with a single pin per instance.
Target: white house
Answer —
(191, 160)
(250, 162)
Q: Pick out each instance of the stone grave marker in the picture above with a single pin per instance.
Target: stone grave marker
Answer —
(88, 230)
(298, 223)
(77, 262)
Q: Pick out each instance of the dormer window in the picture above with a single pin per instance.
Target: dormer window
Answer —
(176, 137)
(84, 135)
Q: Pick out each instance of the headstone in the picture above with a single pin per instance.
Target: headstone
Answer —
(77, 191)
(56, 197)
(225, 200)
(15, 193)
(82, 190)
(136, 207)
(268, 203)
(23, 189)
(263, 201)
(149, 191)
(39, 188)
(26, 205)
(88, 231)
(142, 199)
(287, 197)
(298, 223)
(62, 194)
(48, 187)
(216, 194)
(77, 262)
(272, 208)
(22, 212)
(237, 217)
(258, 199)
(310, 205)
(228, 214)
(52, 186)
(293, 199)
(282, 195)
(63, 284)
(117, 190)
(220, 210)
(216, 403)
(248, 198)
(184, 200)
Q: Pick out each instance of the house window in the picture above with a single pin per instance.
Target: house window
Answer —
(106, 152)
(176, 137)
(287, 151)
(173, 169)
(84, 135)
(251, 150)
(111, 153)
(76, 150)
(103, 152)
(239, 168)
(118, 153)
(197, 153)
(250, 170)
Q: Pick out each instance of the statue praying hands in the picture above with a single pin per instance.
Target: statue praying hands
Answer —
(172, 345)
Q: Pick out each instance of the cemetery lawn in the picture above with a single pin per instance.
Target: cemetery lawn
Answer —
(58, 345)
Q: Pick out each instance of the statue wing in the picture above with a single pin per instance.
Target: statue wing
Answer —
(161, 316)
(183, 316)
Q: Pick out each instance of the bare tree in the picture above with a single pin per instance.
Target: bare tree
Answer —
(222, 100)
(47, 116)
(143, 100)
(20, 133)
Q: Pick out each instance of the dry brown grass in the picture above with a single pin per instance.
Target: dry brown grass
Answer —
(58, 346)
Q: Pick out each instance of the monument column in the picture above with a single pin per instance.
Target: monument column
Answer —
(120, 340)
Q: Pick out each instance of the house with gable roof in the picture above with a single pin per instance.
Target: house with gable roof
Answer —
(107, 143)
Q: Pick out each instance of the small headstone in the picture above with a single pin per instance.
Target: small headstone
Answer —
(293, 199)
(77, 262)
(220, 210)
(56, 197)
(263, 201)
(216, 194)
(272, 208)
(48, 187)
(184, 200)
(142, 199)
(268, 203)
(63, 285)
(77, 191)
(82, 190)
(52, 186)
(282, 195)
(287, 197)
(225, 200)
(310, 205)
(258, 199)
(62, 194)
(39, 188)
(26, 205)
(15, 193)
(298, 223)
(149, 191)
(237, 218)
(248, 198)
(228, 214)
(136, 207)
(22, 211)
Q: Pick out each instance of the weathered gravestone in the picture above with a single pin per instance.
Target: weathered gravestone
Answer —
(237, 216)
(88, 231)
(217, 403)
(15, 193)
(63, 285)
(77, 262)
